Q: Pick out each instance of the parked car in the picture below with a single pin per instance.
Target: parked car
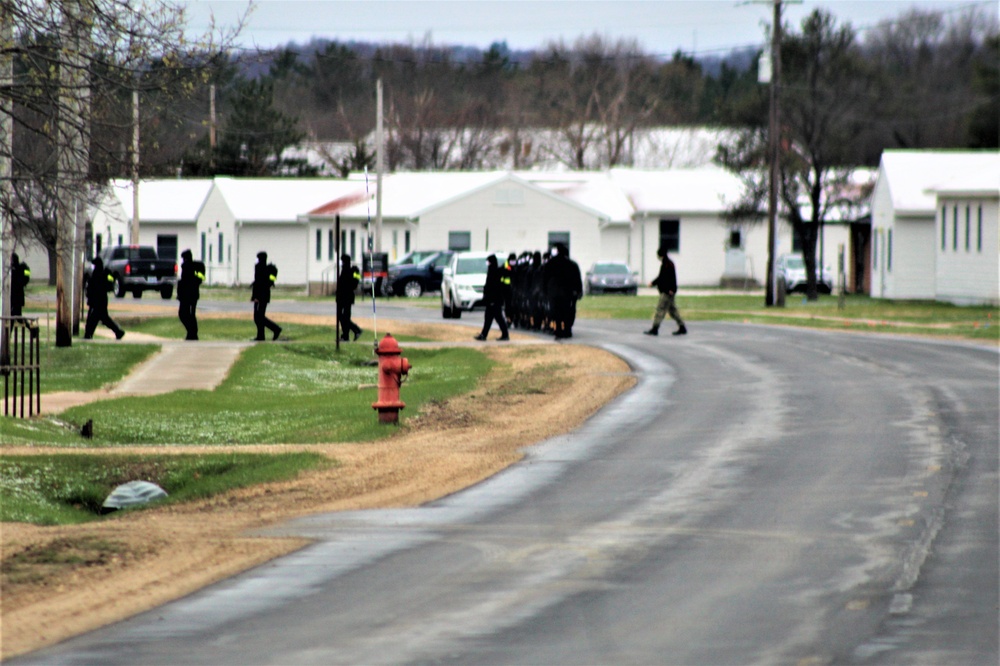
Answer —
(137, 268)
(463, 280)
(417, 278)
(414, 257)
(792, 269)
(610, 277)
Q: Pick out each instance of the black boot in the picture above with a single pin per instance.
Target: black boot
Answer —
(681, 331)
(653, 331)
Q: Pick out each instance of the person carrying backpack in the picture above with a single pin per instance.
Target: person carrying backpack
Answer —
(264, 277)
(188, 292)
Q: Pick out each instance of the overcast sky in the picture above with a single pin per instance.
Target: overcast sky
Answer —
(661, 26)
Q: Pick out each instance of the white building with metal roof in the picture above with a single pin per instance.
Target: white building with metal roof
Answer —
(906, 221)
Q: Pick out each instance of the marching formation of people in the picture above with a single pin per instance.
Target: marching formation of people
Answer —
(530, 291)
(539, 293)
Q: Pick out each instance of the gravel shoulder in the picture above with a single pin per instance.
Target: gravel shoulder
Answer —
(167, 553)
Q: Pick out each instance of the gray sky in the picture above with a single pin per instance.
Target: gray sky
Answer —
(660, 26)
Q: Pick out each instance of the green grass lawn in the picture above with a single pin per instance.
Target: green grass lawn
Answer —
(70, 488)
(859, 313)
(285, 393)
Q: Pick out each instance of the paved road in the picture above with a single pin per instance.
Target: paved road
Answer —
(764, 495)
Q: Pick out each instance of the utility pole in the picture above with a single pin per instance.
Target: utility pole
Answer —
(211, 125)
(774, 130)
(134, 229)
(6, 140)
(74, 114)
(379, 164)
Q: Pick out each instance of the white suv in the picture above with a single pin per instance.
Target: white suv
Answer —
(792, 269)
(463, 280)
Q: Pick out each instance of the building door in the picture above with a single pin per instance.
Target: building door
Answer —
(166, 246)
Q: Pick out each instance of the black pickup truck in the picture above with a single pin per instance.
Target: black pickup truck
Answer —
(137, 268)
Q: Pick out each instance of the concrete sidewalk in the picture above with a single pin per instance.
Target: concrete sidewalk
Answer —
(180, 365)
(197, 365)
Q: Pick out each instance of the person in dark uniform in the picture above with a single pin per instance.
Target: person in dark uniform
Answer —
(666, 282)
(20, 275)
(188, 292)
(264, 276)
(98, 286)
(507, 280)
(564, 287)
(493, 295)
(347, 282)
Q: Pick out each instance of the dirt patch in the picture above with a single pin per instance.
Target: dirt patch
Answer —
(61, 581)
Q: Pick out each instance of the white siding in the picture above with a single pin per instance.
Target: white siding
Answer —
(910, 274)
(882, 220)
(216, 217)
(287, 247)
(704, 242)
(497, 224)
(970, 274)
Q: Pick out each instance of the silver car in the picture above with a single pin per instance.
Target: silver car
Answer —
(606, 277)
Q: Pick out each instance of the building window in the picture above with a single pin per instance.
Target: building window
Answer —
(353, 242)
(459, 241)
(319, 244)
(968, 228)
(875, 236)
(944, 228)
(670, 235)
(329, 245)
(220, 247)
(979, 231)
(406, 241)
(121, 239)
(735, 239)
(888, 251)
(203, 241)
(166, 246)
(559, 237)
(100, 238)
(954, 228)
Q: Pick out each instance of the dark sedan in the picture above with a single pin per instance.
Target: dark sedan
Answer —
(416, 279)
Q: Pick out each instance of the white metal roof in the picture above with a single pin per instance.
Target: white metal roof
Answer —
(280, 199)
(974, 181)
(406, 195)
(168, 200)
(913, 175)
(594, 190)
(707, 189)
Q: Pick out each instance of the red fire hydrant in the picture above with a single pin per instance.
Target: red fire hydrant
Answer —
(391, 368)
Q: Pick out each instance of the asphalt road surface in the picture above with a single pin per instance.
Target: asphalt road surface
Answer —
(763, 496)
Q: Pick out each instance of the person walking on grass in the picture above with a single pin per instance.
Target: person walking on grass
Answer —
(98, 286)
(666, 282)
(264, 277)
(20, 275)
(493, 296)
(347, 284)
(188, 292)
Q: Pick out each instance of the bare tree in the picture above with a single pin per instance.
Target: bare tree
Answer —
(824, 82)
(69, 57)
